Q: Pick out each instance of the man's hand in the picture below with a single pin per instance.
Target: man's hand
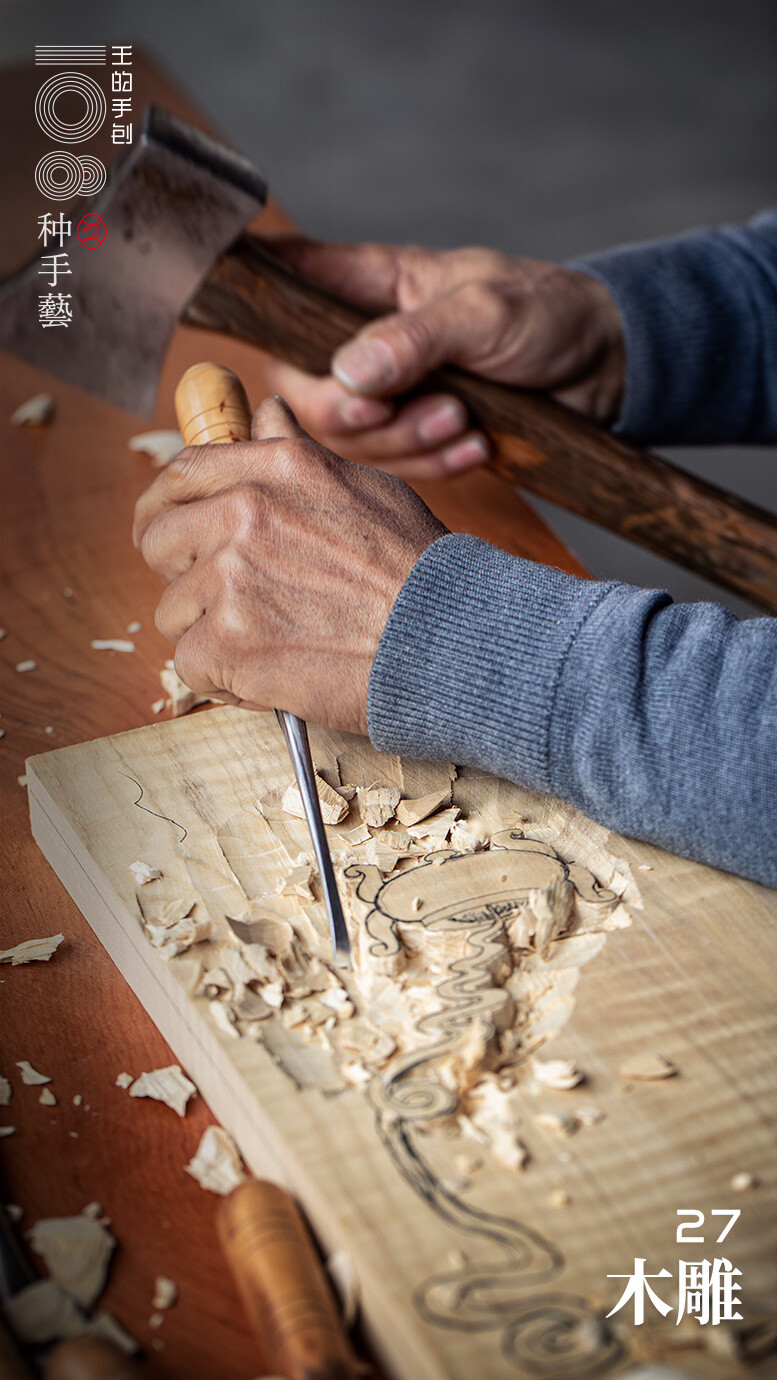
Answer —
(518, 321)
(282, 563)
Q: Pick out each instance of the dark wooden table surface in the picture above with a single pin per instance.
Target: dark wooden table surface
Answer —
(69, 493)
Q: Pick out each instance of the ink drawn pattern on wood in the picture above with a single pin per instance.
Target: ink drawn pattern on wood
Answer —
(403, 1101)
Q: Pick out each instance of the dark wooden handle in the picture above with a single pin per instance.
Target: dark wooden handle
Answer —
(539, 445)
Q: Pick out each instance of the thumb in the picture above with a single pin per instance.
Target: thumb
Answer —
(274, 420)
(395, 353)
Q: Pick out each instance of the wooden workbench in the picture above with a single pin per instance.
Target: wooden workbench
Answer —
(68, 500)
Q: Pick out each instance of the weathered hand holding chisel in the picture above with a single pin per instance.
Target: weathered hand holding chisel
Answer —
(175, 207)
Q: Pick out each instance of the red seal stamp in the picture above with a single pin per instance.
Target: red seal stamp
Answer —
(91, 229)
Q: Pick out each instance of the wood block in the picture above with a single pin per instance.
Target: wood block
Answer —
(556, 942)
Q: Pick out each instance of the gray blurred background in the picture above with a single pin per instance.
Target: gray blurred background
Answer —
(541, 127)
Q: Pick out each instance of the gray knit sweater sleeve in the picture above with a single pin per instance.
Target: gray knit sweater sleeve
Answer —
(658, 720)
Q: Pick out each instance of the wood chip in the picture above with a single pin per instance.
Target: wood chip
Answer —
(23, 666)
(413, 811)
(437, 827)
(165, 1292)
(169, 1085)
(158, 706)
(30, 1076)
(223, 1017)
(333, 808)
(562, 1123)
(216, 1165)
(47, 1098)
(144, 873)
(77, 1251)
(6, 1091)
(32, 950)
(43, 1312)
(112, 644)
(160, 446)
(7, 1130)
(646, 1067)
(377, 804)
(742, 1182)
(14, 1212)
(180, 696)
(124, 1080)
(557, 1073)
(36, 411)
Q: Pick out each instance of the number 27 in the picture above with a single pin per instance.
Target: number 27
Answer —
(731, 1213)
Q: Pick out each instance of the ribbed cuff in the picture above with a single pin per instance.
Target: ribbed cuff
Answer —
(471, 656)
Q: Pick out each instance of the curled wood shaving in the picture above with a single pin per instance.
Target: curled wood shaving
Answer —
(169, 1085)
(36, 411)
(32, 950)
(160, 446)
(77, 1251)
(647, 1067)
(30, 1076)
(112, 644)
(216, 1165)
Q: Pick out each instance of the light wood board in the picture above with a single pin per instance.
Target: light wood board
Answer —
(482, 1279)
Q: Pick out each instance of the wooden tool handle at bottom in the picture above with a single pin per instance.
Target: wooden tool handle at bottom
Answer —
(282, 1284)
(91, 1358)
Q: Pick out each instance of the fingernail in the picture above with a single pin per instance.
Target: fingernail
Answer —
(363, 412)
(365, 364)
(441, 422)
(473, 450)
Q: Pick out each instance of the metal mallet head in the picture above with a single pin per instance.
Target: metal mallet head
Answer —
(173, 203)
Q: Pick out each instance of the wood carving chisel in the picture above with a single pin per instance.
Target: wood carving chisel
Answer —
(211, 406)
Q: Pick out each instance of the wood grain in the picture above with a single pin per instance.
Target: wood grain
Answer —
(540, 445)
(68, 495)
(689, 978)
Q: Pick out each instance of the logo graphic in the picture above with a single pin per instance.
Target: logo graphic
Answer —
(91, 229)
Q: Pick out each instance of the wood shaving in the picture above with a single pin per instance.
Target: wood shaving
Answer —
(160, 446)
(342, 1272)
(158, 706)
(646, 1067)
(124, 1080)
(30, 1076)
(32, 950)
(165, 1292)
(134, 627)
(216, 1165)
(589, 1116)
(23, 666)
(561, 1074)
(297, 882)
(413, 811)
(77, 1251)
(6, 1091)
(377, 804)
(77, 1100)
(223, 1017)
(169, 1085)
(144, 873)
(47, 1098)
(436, 828)
(156, 1319)
(105, 1326)
(93, 1210)
(14, 1212)
(112, 644)
(36, 411)
(740, 1183)
(22, 780)
(469, 835)
(333, 808)
(7, 1131)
